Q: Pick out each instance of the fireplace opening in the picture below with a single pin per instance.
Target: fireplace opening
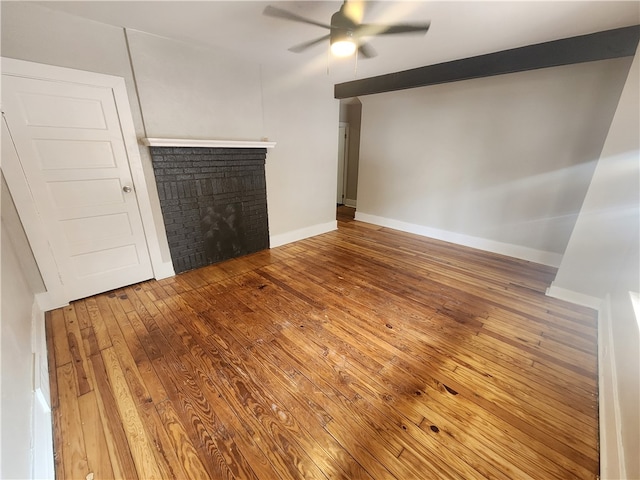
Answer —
(214, 203)
(223, 232)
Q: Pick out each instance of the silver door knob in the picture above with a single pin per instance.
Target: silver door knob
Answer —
(127, 189)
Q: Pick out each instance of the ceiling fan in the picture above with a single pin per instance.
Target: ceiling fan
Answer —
(346, 33)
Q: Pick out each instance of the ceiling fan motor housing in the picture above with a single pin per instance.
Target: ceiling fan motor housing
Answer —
(342, 27)
(345, 33)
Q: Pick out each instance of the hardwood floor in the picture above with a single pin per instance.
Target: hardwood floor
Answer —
(345, 214)
(364, 353)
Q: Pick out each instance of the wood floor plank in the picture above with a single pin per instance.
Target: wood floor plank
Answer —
(142, 360)
(78, 356)
(80, 308)
(263, 460)
(98, 461)
(139, 443)
(97, 323)
(117, 444)
(74, 452)
(60, 340)
(218, 440)
(89, 342)
(184, 405)
(154, 320)
(166, 455)
(363, 353)
(130, 370)
(186, 453)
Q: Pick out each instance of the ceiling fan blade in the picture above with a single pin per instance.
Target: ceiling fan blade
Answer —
(370, 29)
(303, 46)
(275, 12)
(367, 51)
(354, 10)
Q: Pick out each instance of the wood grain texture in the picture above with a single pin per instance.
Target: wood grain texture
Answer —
(98, 460)
(74, 453)
(363, 353)
(140, 444)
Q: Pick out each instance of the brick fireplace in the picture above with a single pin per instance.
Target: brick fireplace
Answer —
(213, 199)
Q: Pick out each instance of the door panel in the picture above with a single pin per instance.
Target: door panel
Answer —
(42, 110)
(70, 147)
(92, 229)
(68, 154)
(105, 260)
(82, 194)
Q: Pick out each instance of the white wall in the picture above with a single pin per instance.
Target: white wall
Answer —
(186, 91)
(302, 116)
(504, 161)
(602, 260)
(192, 92)
(20, 282)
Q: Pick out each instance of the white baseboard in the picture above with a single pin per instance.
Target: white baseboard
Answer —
(42, 463)
(40, 360)
(612, 462)
(163, 270)
(302, 233)
(56, 298)
(525, 253)
(574, 297)
(51, 300)
(348, 202)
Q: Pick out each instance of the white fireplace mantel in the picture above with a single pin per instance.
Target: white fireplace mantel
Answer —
(187, 142)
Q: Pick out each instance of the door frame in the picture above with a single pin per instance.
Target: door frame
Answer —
(345, 160)
(56, 294)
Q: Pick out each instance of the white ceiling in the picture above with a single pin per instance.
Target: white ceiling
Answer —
(458, 29)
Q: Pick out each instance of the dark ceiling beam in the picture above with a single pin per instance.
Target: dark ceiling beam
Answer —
(621, 42)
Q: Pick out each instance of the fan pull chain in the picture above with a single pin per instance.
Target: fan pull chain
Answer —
(355, 65)
(328, 60)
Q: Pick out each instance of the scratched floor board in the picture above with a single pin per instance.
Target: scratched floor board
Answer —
(364, 353)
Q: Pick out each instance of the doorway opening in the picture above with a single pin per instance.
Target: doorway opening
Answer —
(348, 158)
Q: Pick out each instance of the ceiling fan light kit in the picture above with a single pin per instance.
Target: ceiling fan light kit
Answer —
(343, 45)
(346, 34)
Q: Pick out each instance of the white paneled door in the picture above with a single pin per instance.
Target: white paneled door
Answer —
(68, 141)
